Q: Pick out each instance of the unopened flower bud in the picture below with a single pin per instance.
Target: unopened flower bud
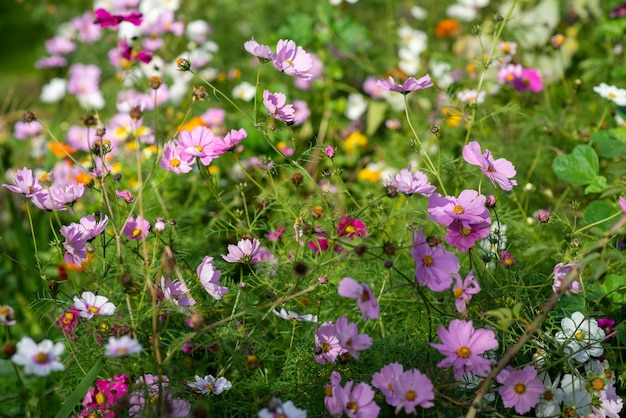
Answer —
(300, 268)
(155, 82)
(322, 280)
(389, 248)
(8, 349)
(491, 201)
(318, 212)
(199, 93)
(392, 191)
(388, 264)
(159, 225)
(90, 120)
(329, 151)
(197, 321)
(296, 179)
(28, 116)
(183, 64)
(135, 113)
(360, 250)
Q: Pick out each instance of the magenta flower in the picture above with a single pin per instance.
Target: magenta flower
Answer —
(413, 388)
(90, 304)
(365, 299)
(275, 235)
(358, 401)
(199, 143)
(350, 227)
(463, 237)
(506, 259)
(434, 266)
(136, 228)
(462, 345)
(329, 151)
(104, 396)
(498, 171)
(529, 80)
(327, 346)
(106, 19)
(230, 141)
(132, 55)
(521, 389)
(409, 183)
(292, 59)
(463, 291)
(468, 208)
(24, 183)
(125, 196)
(210, 278)
(243, 252)
(276, 106)
(174, 160)
(263, 52)
(68, 321)
(384, 381)
(349, 337)
(411, 84)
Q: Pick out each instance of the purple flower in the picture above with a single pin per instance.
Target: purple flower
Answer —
(384, 381)
(92, 228)
(463, 237)
(243, 252)
(358, 401)
(277, 108)
(60, 45)
(409, 183)
(210, 278)
(462, 345)
(365, 299)
(327, 346)
(263, 52)
(413, 388)
(106, 19)
(333, 393)
(136, 228)
(498, 171)
(177, 293)
(125, 196)
(411, 84)
(349, 337)
(521, 389)
(56, 198)
(468, 208)
(463, 291)
(24, 183)
(75, 244)
(561, 271)
(622, 204)
(434, 266)
(292, 59)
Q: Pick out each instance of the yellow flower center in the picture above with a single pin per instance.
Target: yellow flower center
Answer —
(519, 388)
(68, 318)
(464, 352)
(4, 310)
(100, 398)
(175, 162)
(579, 335)
(93, 309)
(548, 395)
(328, 391)
(597, 384)
(458, 291)
(458, 210)
(136, 232)
(428, 261)
(410, 395)
(325, 347)
(350, 229)
(390, 387)
(352, 406)
(465, 231)
(41, 358)
(122, 352)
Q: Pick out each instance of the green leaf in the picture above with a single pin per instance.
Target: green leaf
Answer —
(597, 211)
(614, 287)
(578, 168)
(375, 116)
(611, 143)
(598, 184)
(80, 391)
(621, 333)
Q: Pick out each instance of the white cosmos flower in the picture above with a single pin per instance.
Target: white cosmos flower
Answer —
(550, 402)
(582, 337)
(122, 347)
(612, 93)
(90, 304)
(53, 91)
(208, 384)
(575, 394)
(40, 359)
(291, 315)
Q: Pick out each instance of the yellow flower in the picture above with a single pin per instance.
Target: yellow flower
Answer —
(355, 141)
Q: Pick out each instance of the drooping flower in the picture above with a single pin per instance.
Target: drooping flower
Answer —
(210, 384)
(262, 52)
(24, 182)
(463, 345)
(498, 171)
(243, 251)
(294, 316)
(582, 337)
(39, 359)
(521, 389)
(349, 337)
(68, 321)
(75, 244)
(411, 84)
(333, 395)
(463, 291)
(125, 195)
(358, 400)
(90, 304)
(177, 293)
(136, 228)
(413, 388)
(434, 266)
(365, 299)
(410, 183)
(230, 141)
(276, 106)
(210, 278)
(122, 347)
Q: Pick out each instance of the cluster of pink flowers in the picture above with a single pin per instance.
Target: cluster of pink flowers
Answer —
(333, 340)
(354, 400)
(105, 397)
(404, 389)
(521, 78)
(179, 155)
(289, 58)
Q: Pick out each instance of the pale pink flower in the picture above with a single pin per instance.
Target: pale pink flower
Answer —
(498, 171)
(90, 305)
(411, 84)
(463, 291)
(521, 389)
(365, 299)
(349, 337)
(243, 252)
(136, 228)
(210, 278)
(292, 59)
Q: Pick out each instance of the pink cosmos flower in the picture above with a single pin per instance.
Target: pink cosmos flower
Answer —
(329, 151)
(463, 291)
(358, 400)
(413, 388)
(350, 227)
(106, 19)
(365, 299)
(622, 204)
(75, 244)
(463, 237)
(349, 337)
(136, 228)
(57, 198)
(411, 84)
(122, 347)
(86, 31)
(89, 305)
(243, 252)
(125, 195)
(101, 398)
(51, 62)
(174, 160)
(68, 321)
(177, 293)
(230, 141)
(498, 171)
(24, 130)
(333, 392)
(509, 73)
(275, 235)
(434, 266)
(83, 79)
(521, 389)
(292, 59)
(384, 381)
(24, 183)
(561, 271)
(199, 143)
(60, 45)
(327, 346)
(210, 278)
(529, 80)
(276, 106)
(410, 183)
(263, 52)
(463, 345)
(468, 208)
(131, 54)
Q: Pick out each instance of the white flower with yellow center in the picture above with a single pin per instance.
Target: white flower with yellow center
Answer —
(582, 337)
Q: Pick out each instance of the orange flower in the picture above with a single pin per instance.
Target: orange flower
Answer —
(447, 28)
(60, 150)
(192, 123)
(85, 179)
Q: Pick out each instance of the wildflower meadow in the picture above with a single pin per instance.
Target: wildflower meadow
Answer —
(353, 208)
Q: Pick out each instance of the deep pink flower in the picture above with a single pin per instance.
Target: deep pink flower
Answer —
(350, 227)
(125, 196)
(292, 59)
(230, 141)
(68, 321)
(499, 171)
(276, 106)
(106, 19)
(275, 235)
(411, 84)
(132, 55)
(413, 388)
(529, 80)
(327, 346)
(210, 278)
(506, 259)
(199, 142)
(434, 266)
(462, 345)
(384, 381)
(409, 182)
(136, 228)
(329, 151)
(349, 337)
(521, 389)
(463, 291)
(468, 208)
(243, 252)
(365, 299)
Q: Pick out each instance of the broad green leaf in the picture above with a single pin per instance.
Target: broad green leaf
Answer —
(614, 287)
(611, 143)
(597, 211)
(578, 168)
(598, 184)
